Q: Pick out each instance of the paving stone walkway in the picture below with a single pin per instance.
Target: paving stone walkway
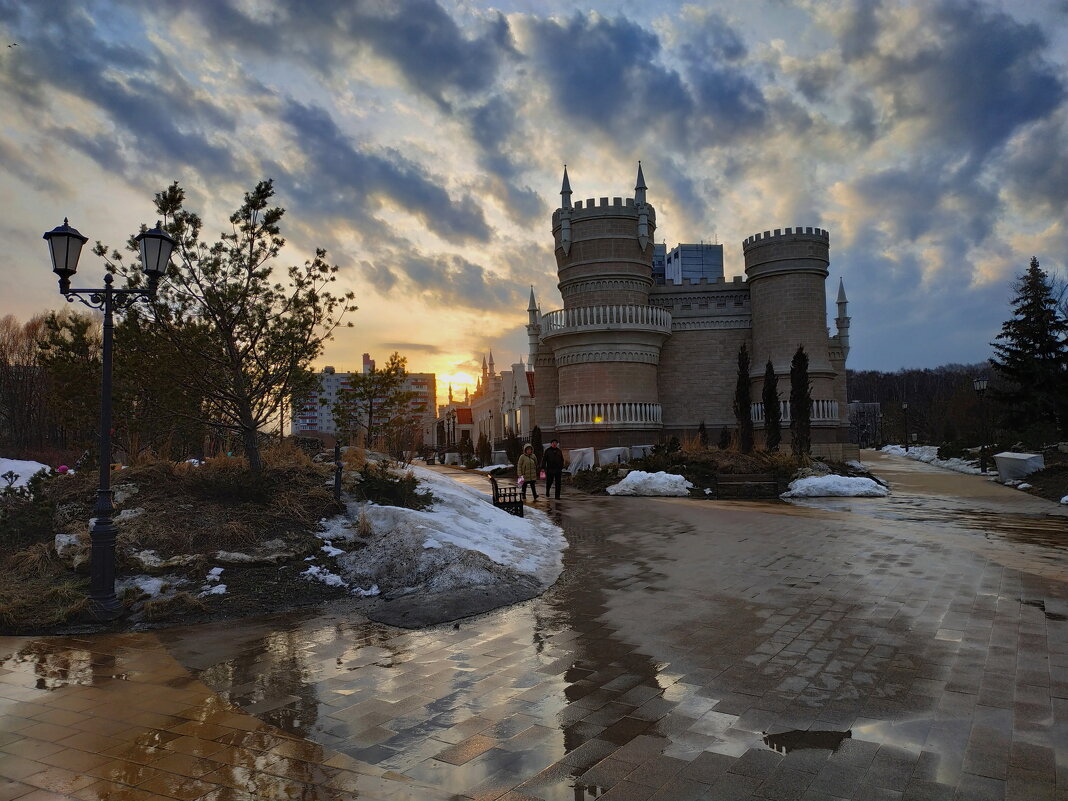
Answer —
(914, 647)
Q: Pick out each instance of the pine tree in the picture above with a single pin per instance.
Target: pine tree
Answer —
(800, 404)
(743, 403)
(702, 434)
(1032, 355)
(255, 336)
(772, 411)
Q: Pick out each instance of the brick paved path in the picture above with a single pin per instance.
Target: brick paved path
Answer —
(909, 648)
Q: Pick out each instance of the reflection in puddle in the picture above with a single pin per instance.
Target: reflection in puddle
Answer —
(1039, 604)
(797, 740)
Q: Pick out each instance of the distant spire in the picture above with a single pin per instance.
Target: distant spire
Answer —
(841, 291)
(533, 305)
(565, 191)
(640, 187)
(491, 363)
(450, 392)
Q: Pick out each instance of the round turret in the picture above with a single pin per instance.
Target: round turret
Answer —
(786, 271)
(600, 255)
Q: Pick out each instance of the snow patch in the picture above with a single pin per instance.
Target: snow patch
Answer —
(316, 573)
(152, 586)
(638, 482)
(214, 574)
(330, 550)
(928, 454)
(209, 589)
(461, 541)
(23, 469)
(65, 543)
(835, 486)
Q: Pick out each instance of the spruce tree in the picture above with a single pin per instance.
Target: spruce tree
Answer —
(772, 412)
(702, 434)
(800, 404)
(1032, 355)
(743, 411)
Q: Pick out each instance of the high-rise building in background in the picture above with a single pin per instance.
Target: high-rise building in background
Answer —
(314, 416)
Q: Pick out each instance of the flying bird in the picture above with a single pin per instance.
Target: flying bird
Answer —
(13, 44)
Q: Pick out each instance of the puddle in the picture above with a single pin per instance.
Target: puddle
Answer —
(1057, 616)
(798, 740)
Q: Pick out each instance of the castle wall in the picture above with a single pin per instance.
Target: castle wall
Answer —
(698, 370)
(623, 382)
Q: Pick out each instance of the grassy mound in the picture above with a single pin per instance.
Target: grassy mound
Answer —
(171, 509)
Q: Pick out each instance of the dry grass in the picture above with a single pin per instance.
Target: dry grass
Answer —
(363, 525)
(42, 595)
(175, 606)
(354, 457)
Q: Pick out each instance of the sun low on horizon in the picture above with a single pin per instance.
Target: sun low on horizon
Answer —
(430, 175)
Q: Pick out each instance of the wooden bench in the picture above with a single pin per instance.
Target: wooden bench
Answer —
(507, 498)
(748, 485)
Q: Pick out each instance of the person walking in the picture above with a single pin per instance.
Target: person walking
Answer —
(527, 469)
(554, 467)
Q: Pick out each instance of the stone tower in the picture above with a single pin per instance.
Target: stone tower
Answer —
(786, 272)
(604, 345)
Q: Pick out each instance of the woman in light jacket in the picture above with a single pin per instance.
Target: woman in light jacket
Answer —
(527, 469)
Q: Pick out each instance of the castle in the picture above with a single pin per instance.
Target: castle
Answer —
(635, 357)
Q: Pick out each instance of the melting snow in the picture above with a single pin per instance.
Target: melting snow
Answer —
(929, 455)
(316, 573)
(638, 482)
(835, 486)
(22, 468)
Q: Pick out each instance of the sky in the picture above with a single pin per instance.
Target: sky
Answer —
(421, 142)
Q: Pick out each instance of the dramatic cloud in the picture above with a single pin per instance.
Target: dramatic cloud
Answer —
(422, 141)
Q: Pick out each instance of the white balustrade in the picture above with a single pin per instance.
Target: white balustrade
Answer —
(822, 411)
(581, 317)
(591, 414)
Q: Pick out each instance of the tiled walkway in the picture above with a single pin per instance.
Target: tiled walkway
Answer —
(910, 648)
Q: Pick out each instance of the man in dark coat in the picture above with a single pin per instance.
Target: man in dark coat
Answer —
(553, 462)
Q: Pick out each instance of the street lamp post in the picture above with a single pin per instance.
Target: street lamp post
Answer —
(65, 247)
(905, 409)
(979, 384)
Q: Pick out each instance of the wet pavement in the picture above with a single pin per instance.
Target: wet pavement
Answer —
(914, 647)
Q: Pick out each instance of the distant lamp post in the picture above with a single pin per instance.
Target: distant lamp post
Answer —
(979, 384)
(905, 409)
(65, 246)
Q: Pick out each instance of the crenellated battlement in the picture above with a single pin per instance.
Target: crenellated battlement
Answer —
(819, 234)
(715, 282)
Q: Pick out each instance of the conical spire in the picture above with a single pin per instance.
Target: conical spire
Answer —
(639, 186)
(565, 191)
(841, 291)
(533, 305)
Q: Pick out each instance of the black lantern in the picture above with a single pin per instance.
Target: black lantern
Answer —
(65, 246)
(156, 246)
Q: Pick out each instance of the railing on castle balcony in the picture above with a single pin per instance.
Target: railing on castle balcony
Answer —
(822, 412)
(616, 415)
(605, 317)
